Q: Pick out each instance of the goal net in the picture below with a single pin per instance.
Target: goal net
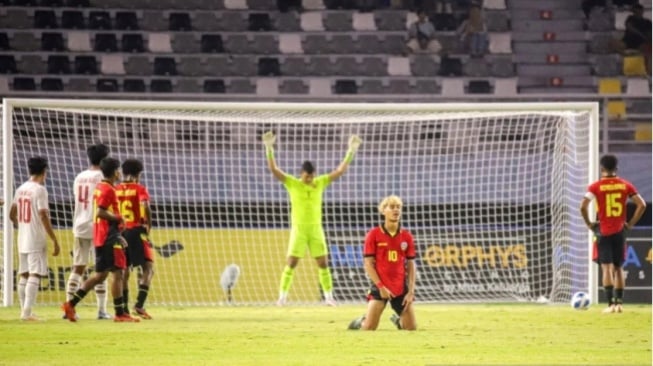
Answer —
(491, 193)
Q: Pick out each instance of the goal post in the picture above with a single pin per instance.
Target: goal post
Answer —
(491, 192)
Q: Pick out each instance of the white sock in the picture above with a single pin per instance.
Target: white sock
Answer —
(283, 296)
(74, 281)
(328, 295)
(21, 291)
(101, 296)
(31, 289)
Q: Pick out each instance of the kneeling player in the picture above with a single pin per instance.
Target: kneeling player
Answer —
(390, 264)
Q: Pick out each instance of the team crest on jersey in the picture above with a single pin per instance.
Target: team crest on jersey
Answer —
(404, 245)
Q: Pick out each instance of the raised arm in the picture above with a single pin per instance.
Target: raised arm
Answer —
(354, 143)
(268, 141)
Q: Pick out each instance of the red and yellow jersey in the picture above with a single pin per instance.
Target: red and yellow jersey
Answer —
(390, 253)
(131, 196)
(611, 194)
(105, 197)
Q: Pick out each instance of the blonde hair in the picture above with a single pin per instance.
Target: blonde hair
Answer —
(388, 201)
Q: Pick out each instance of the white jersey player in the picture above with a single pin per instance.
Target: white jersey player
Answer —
(83, 250)
(30, 213)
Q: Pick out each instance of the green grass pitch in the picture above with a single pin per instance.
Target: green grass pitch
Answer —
(475, 334)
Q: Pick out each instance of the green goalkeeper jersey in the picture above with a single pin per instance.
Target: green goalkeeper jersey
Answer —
(306, 199)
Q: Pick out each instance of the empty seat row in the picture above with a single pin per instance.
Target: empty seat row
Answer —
(249, 66)
(266, 86)
(67, 3)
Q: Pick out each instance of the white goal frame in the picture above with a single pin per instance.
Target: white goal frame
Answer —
(8, 105)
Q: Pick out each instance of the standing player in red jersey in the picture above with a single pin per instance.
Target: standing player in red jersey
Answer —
(390, 264)
(611, 194)
(109, 244)
(135, 210)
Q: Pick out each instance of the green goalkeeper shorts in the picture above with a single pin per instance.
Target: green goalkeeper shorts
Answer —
(309, 237)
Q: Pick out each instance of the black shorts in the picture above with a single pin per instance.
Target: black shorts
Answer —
(139, 249)
(396, 302)
(612, 249)
(110, 256)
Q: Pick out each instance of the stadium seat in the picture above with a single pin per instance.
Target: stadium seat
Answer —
(205, 21)
(347, 66)
(293, 86)
(319, 87)
(616, 109)
(179, 22)
(450, 66)
(132, 43)
(610, 86)
(607, 65)
(105, 42)
(72, 19)
(373, 66)
(126, 20)
(190, 66)
(643, 131)
(497, 21)
(32, 64)
(218, 66)
(400, 87)
(336, 21)
(316, 43)
(364, 22)
(479, 87)
(494, 4)
(24, 84)
(267, 87)
(51, 84)
(165, 66)
(399, 66)
(44, 19)
(634, 66)
(7, 64)
(86, 65)
(424, 65)
(444, 22)
(112, 64)
(368, 44)
(58, 64)
(342, 43)
(261, 5)
(159, 42)
(185, 43)
(78, 3)
(4, 86)
(214, 86)
(476, 67)
(502, 66)
(393, 44)
(235, 4)
(138, 65)
(290, 43)
(600, 20)
(231, 22)
(106, 85)
(99, 20)
(287, 22)
(500, 43)
(295, 66)
(4, 40)
(313, 4)
(638, 86)
(311, 21)
(345, 86)
(241, 86)
(161, 86)
(211, 43)
(79, 41)
(453, 87)
(52, 42)
(620, 20)
(22, 41)
(269, 66)
(258, 22)
(153, 20)
(187, 85)
(238, 44)
(505, 87)
(321, 66)
(265, 44)
(134, 86)
(372, 86)
(426, 86)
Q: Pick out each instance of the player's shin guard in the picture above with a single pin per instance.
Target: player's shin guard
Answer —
(74, 281)
(326, 281)
(31, 289)
(286, 279)
(22, 282)
(101, 296)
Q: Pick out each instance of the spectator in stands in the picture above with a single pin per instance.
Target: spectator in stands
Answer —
(473, 32)
(421, 36)
(637, 36)
(588, 5)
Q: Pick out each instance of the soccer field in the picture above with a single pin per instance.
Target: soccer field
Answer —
(478, 334)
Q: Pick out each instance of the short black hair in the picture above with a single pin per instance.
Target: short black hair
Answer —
(132, 167)
(609, 163)
(109, 166)
(308, 167)
(37, 165)
(96, 153)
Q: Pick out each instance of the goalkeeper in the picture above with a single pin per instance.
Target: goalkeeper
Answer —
(306, 229)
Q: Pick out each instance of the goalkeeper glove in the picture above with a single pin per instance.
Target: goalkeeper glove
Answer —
(354, 143)
(268, 139)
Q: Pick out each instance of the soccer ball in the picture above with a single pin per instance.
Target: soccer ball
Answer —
(581, 301)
